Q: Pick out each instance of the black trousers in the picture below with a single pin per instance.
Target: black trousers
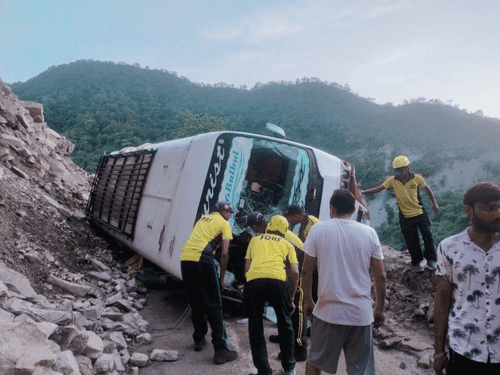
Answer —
(255, 294)
(458, 365)
(409, 228)
(201, 282)
(299, 321)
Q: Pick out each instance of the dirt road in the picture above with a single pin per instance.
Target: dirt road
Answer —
(164, 310)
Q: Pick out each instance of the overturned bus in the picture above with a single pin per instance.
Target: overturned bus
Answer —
(149, 199)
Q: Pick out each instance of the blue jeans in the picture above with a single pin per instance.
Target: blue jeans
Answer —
(256, 293)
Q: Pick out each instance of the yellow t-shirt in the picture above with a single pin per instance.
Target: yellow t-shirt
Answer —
(407, 194)
(268, 253)
(207, 233)
(294, 240)
(311, 220)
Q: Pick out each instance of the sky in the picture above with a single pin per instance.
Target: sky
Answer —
(388, 50)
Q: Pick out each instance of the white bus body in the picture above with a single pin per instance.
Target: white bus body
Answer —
(150, 199)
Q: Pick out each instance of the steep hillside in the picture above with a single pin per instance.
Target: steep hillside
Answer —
(104, 106)
(68, 305)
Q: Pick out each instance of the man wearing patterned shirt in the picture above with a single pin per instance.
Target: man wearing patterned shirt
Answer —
(467, 302)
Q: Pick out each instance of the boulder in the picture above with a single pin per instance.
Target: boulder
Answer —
(23, 348)
(66, 363)
(76, 289)
(139, 360)
(16, 281)
(101, 276)
(144, 339)
(104, 363)
(94, 346)
(164, 355)
(415, 345)
(84, 365)
(63, 336)
(118, 361)
(10, 140)
(34, 109)
(99, 265)
(117, 337)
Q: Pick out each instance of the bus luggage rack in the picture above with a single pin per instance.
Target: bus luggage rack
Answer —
(117, 189)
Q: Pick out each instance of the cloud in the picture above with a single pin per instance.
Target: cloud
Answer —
(367, 10)
(254, 29)
(385, 9)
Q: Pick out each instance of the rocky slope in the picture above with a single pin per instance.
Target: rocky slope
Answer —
(67, 303)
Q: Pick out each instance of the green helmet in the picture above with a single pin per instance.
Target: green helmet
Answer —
(277, 223)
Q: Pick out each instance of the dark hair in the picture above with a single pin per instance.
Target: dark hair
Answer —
(343, 200)
(482, 192)
(293, 209)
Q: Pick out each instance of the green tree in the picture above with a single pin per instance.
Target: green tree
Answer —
(194, 124)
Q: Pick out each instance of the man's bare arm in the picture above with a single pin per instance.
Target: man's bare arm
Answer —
(224, 256)
(308, 269)
(432, 197)
(442, 306)
(373, 190)
(248, 262)
(377, 267)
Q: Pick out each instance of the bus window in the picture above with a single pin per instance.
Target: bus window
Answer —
(265, 176)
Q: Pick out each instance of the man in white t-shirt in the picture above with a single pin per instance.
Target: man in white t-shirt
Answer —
(343, 251)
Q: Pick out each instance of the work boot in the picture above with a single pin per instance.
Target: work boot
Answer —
(275, 339)
(199, 345)
(222, 356)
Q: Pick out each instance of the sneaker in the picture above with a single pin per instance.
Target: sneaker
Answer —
(418, 267)
(289, 372)
(222, 356)
(199, 345)
(275, 339)
(431, 264)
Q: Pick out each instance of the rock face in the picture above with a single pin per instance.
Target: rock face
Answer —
(29, 148)
(56, 274)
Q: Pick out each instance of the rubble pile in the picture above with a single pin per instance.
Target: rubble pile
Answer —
(409, 308)
(67, 303)
(89, 330)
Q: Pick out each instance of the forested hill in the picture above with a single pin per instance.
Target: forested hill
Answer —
(104, 106)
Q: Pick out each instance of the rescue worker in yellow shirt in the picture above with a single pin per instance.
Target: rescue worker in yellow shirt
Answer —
(412, 215)
(270, 260)
(202, 284)
(296, 215)
(257, 222)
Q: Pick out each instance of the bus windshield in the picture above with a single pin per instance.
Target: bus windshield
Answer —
(265, 176)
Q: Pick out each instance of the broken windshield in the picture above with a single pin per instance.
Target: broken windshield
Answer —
(265, 176)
